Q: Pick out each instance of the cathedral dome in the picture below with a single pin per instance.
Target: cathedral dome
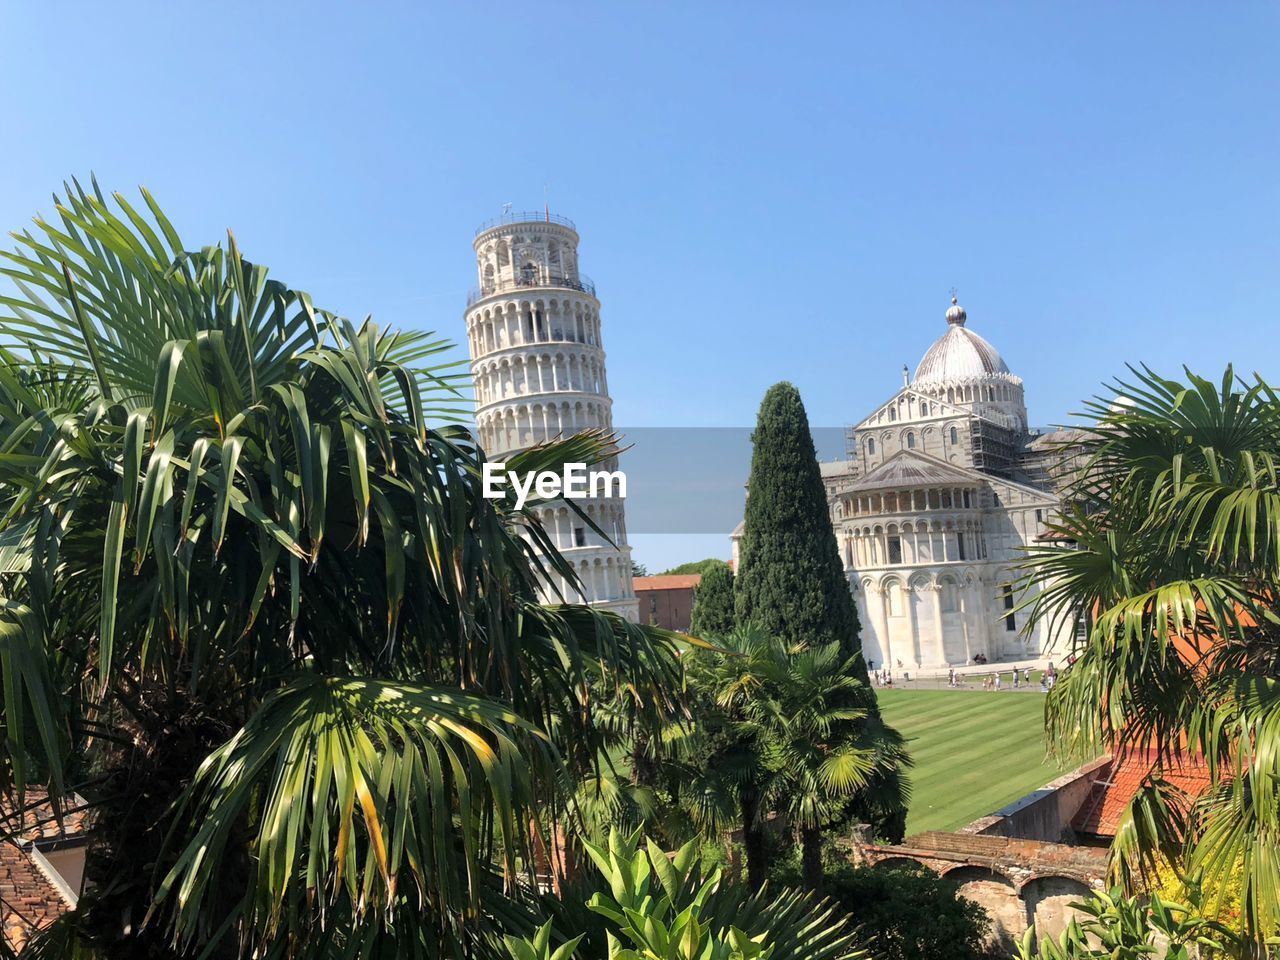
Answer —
(959, 354)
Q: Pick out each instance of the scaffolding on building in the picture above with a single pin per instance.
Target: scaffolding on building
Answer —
(995, 448)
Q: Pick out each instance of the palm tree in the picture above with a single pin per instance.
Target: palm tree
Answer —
(785, 731)
(823, 747)
(1176, 526)
(257, 613)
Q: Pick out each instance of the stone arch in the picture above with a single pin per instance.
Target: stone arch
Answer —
(892, 588)
(996, 894)
(1048, 900)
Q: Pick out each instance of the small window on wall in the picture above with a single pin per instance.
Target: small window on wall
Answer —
(911, 441)
(579, 536)
(1010, 623)
(895, 549)
(871, 445)
(1039, 516)
(960, 545)
(955, 436)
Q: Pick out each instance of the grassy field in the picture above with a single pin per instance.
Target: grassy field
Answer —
(974, 752)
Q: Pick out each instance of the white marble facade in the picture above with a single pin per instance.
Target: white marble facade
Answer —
(943, 485)
(538, 368)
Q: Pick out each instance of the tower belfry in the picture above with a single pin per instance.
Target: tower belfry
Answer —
(538, 367)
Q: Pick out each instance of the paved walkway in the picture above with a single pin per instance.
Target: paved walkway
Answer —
(972, 675)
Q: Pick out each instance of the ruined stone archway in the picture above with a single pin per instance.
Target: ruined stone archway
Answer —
(998, 895)
(1048, 900)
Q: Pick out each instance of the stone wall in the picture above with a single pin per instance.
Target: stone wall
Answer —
(1020, 883)
(1045, 814)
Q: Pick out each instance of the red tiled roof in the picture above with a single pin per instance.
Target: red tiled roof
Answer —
(679, 581)
(29, 900)
(1100, 814)
(36, 820)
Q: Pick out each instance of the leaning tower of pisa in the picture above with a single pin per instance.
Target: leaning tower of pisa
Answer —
(537, 363)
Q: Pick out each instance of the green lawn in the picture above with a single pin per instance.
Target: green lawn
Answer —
(974, 751)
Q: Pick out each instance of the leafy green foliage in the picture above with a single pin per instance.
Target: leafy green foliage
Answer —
(1123, 928)
(539, 946)
(1177, 524)
(651, 906)
(906, 913)
(780, 731)
(256, 609)
(702, 567)
(821, 746)
(713, 602)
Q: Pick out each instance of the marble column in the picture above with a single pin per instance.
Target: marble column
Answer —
(879, 609)
(910, 594)
(939, 639)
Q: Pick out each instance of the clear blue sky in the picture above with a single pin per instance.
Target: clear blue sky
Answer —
(763, 191)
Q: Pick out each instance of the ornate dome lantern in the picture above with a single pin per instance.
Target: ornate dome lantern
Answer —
(963, 368)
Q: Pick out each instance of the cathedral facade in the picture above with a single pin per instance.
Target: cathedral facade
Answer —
(943, 487)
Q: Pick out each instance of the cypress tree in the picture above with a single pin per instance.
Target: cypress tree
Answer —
(713, 603)
(790, 579)
(791, 582)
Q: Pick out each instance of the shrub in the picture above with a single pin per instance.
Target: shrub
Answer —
(1128, 928)
(642, 904)
(907, 913)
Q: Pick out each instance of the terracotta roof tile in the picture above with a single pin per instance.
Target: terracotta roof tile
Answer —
(678, 581)
(1100, 814)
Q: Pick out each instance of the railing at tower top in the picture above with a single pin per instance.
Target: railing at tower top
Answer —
(528, 216)
(581, 283)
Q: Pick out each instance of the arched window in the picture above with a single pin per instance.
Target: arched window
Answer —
(529, 273)
(924, 409)
(895, 599)
(871, 444)
(911, 441)
(955, 436)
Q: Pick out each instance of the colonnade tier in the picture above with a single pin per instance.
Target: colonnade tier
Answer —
(568, 531)
(505, 322)
(515, 426)
(524, 250)
(882, 502)
(1007, 387)
(505, 376)
(913, 542)
(605, 576)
